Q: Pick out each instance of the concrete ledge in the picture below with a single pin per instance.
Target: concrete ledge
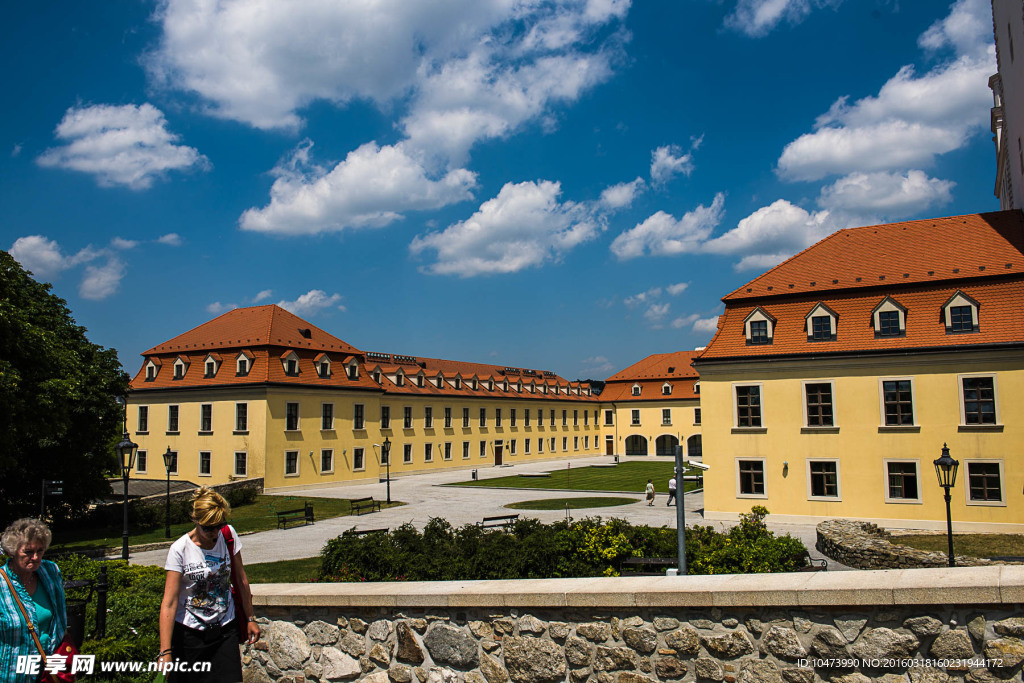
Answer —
(948, 586)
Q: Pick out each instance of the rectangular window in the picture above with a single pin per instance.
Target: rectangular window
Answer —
(407, 417)
(608, 418)
(565, 443)
(447, 450)
(497, 417)
(465, 418)
(575, 443)
(483, 449)
(823, 478)
(819, 404)
(291, 463)
(141, 462)
(889, 324)
(358, 459)
(465, 450)
(143, 425)
(385, 417)
(586, 443)
(961, 319)
(241, 417)
(293, 367)
(751, 477)
(666, 416)
(526, 446)
(205, 463)
(241, 370)
(173, 469)
(526, 416)
(575, 418)
(901, 481)
(358, 416)
(512, 447)
(551, 443)
(447, 417)
(540, 445)
(428, 417)
(586, 418)
(211, 369)
(172, 418)
(206, 417)
(821, 328)
(291, 419)
(565, 418)
(634, 417)
(984, 482)
(758, 331)
(407, 453)
(483, 417)
(748, 406)
(979, 396)
(898, 402)
(512, 417)
(327, 416)
(240, 464)
(326, 460)
(552, 415)
(428, 452)
(696, 416)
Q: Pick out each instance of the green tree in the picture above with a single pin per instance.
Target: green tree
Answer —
(58, 415)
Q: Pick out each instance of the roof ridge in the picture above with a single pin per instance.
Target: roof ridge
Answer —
(782, 263)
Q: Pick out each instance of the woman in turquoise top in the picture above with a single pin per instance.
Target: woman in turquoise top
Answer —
(41, 589)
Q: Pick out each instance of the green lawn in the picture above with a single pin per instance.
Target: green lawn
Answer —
(573, 503)
(258, 516)
(285, 571)
(626, 476)
(972, 545)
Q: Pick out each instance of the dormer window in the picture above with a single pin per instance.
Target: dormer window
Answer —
(290, 363)
(821, 323)
(666, 389)
(472, 384)
(440, 382)
(504, 385)
(323, 366)
(152, 367)
(490, 385)
(243, 364)
(400, 378)
(353, 370)
(889, 319)
(696, 388)
(458, 383)
(180, 367)
(376, 376)
(419, 380)
(960, 314)
(211, 369)
(636, 389)
(759, 327)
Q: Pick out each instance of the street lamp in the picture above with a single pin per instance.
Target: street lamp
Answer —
(168, 459)
(126, 450)
(945, 469)
(385, 451)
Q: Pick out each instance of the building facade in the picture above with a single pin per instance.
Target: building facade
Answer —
(1007, 86)
(834, 379)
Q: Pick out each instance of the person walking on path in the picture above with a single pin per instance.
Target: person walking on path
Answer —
(650, 493)
(198, 620)
(671, 491)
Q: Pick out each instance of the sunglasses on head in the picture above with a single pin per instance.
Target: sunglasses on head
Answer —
(212, 528)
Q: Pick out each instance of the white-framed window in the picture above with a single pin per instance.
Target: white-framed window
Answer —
(172, 419)
(512, 417)
(326, 416)
(358, 416)
(458, 383)
(242, 366)
(819, 403)
(428, 452)
(241, 463)
(551, 443)
(889, 319)
(291, 463)
(540, 445)
(666, 416)
(512, 447)
(635, 390)
(823, 481)
(552, 416)
(565, 418)
(180, 367)
(666, 389)
(979, 400)
(290, 364)
(565, 443)
(821, 323)
(407, 417)
(291, 417)
(385, 417)
(960, 314)
(483, 417)
(465, 418)
(575, 443)
(576, 418)
(407, 453)
(483, 449)
(465, 450)
(526, 446)
(399, 378)
(428, 417)
(420, 380)
(358, 460)
(353, 369)
(151, 370)
(984, 482)
(497, 417)
(447, 450)
(696, 416)
(634, 417)
(526, 417)
(747, 406)
(326, 460)
(896, 400)
(440, 381)
(586, 418)
(750, 478)
(210, 366)
(141, 462)
(696, 388)
(205, 418)
(902, 481)
(609, 418)
(447, 417)
(323, 368)
(241, 417)
(586, 443)
(142, 425)
(205, 464)
(758, 327)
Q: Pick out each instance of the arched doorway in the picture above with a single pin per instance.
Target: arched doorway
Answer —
(636, 445)
(693, 447)
(665, 445)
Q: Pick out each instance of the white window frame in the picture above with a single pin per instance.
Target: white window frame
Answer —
(447, 450)
(330, 427)
(666, 417)
(803, 403)
(764, 474)
(138, 419)
(207, 362)
(759, 314)
(885, 481)
(465, 450)
(138, 462)
(152, 370)
(634, 417)
(735, 404)
(298, 416)
(177, 411)
(960, 299)
(666, 389)
(428, 452)
(839, 479)
(881, 402)
(199, 464)
(238, 366)
(820, 310)
(179, 363)
(331, 469)
(526, 446)
(428, 417)
(407, 454)
(967, 482)
(995, 395)
(245, 461)
(362, 453)
(889, 305)
(298, 463)
(285, 359)
(636, 390)
(205, 407)
(236, 430)
(323, 370)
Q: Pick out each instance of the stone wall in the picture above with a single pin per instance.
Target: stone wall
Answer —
(922, 626)
(866, 546)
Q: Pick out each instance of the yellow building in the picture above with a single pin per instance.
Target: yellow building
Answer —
(259, 392)
(653, 406)
(835, 378)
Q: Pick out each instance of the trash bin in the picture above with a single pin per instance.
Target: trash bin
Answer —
(616, 460)
(474, 475)
(76, 621)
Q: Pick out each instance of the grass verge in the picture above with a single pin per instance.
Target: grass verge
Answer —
(302, 570)
(572, 503)
(972, 545)
(626, 476)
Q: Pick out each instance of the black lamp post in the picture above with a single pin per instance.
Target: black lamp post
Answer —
(945, 469)
(126, 450)
(385, 451)
(168, 459)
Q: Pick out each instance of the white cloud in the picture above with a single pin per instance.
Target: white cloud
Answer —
(664, 235)
(655, 313)
(172, 239)
(313, 301)
(595, 365)
(891, 195)
(642, 297)
(523, 227)
(120, 145)
(123, 244)
(668, 161)
(216, 308)
(967, 29)
(677, 289)
(622, 195)
(260, 296)
(16, 150)
(44, 258)
(99, 282)
(758, 17)
(780, 227)
(696, 323)
(370, 188)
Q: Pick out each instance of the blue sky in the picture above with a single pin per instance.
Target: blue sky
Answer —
(568, 185)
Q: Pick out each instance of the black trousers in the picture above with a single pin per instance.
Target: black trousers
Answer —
(217, 645)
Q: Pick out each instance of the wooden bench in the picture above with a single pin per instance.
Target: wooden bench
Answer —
(303, 514)
(364, 532)
(809, 564)
(641, 566)
(368, 504)
(534, 475)
(502, 521)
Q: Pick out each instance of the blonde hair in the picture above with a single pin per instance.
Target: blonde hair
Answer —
(24, 531)
(209, 507)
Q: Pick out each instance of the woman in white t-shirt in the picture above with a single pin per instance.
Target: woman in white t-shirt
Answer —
(197, 615)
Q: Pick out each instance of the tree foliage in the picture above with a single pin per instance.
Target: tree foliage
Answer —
(58, 415)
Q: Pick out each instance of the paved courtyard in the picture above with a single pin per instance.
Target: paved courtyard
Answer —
(426, 497)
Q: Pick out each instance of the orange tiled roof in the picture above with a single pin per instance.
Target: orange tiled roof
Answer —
(651, 374)
(931, 250)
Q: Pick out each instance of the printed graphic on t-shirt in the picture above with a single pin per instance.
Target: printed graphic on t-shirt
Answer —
(211, 589)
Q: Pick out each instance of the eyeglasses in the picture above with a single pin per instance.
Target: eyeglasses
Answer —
(212, 528)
